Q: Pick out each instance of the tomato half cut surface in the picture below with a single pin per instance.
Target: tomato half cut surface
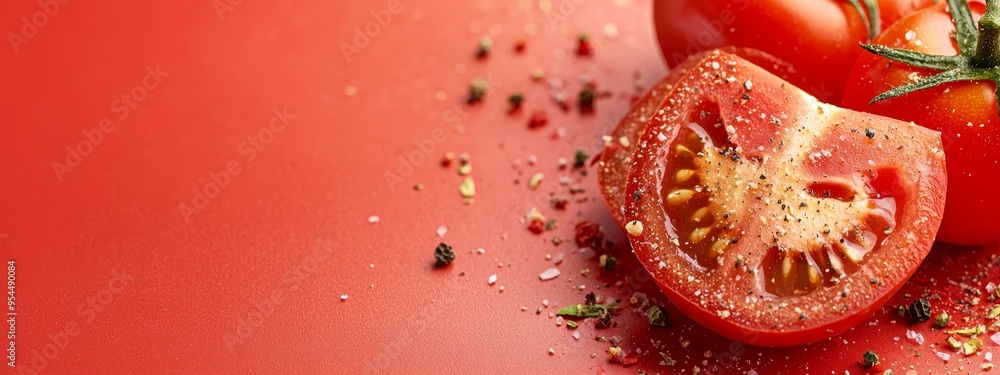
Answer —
(774, 219)
(616, 158)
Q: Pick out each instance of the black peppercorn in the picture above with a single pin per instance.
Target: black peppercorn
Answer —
(444, 255)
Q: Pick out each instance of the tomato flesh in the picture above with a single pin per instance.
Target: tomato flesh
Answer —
(772, 218)
(964, 112)
(616, 158)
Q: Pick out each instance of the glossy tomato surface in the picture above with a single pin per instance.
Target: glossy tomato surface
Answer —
(295, 223)
(817, 40)
(616, 158)
(774, 219)
(965, 113)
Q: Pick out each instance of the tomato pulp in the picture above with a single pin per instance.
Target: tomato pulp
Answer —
(774, 219)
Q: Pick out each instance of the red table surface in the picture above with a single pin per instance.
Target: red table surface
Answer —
(114, 275)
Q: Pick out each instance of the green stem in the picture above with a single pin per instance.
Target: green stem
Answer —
(988, 48)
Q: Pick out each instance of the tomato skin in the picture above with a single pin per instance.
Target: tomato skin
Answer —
(973, 154)
(778, 131)
(819, 38)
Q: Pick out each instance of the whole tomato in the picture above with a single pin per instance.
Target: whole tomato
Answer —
(816, 39)
(964, 111)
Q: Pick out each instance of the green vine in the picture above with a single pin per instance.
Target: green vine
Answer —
(978, 58)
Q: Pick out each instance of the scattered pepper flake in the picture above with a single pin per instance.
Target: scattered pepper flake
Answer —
(920, 310)
(942, 320)
(477, 90)
(520, 44)
(580, 158)
(559, 201)
(971, 345)
(994, 313)
(551, 224)
(485, 45)
(583, 46)
(869, 133)
(657, 316)
(971, 331)
(535, 180)
(589, 235)
(607, 262)
(467, 188)
(537, 74)
(954, 344)
(870, 358)
(667, 361)
(443, 255)
(538, 119)
(514, 102)
(586, 99)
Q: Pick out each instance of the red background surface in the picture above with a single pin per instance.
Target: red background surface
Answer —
(268, 258)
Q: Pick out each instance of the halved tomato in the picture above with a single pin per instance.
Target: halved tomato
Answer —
(617, 155)
(772, 218)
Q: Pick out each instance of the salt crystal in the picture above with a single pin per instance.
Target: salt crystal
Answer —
(944, 356)
(343, 297)
(492, 279)
(545, 302)
(559, 321)
(481, 250)
(915, 337)
(549, 274)
(558, 258)
(996, 338)
(991, 287)
(532, 159)
(576, 335)
(441, 231)
(373, 219)
(988, 357)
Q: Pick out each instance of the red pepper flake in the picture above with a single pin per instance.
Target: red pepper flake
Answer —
(559, 202)
(538, 119)
(586, 100)
(447, 159)
(485, 45)
(589, 235)
(536, 226)
(519, 45)
(514, 102)
(583, 47)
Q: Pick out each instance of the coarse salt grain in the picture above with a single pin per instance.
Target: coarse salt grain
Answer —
(441, 231)
(576, 335)
(373, 219)
(915, 337)
(996, 338)
(559, 321)
(343, 297)
(549, 274)
(481, 250)
(492, 279)
(558, 258)
(944, 356)
(988, 356)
